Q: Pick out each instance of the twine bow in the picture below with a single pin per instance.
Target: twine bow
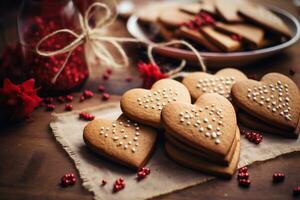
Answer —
(93, 36)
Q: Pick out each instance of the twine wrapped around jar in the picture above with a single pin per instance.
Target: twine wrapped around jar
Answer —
(93, 37)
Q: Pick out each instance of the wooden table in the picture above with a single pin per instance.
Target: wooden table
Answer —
(32, 162)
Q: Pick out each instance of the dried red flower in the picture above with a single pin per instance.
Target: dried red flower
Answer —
(18, 101)
(150, 74)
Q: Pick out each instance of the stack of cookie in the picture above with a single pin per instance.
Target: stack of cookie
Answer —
(215, 25)
(271, 105)
(203, 136)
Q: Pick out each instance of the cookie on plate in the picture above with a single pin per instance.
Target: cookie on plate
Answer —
(247, 32)
(264, 17)
(173, 17)
(145, 106)
(229, 10)
(123, 140)
(223, 41)
(275, 100)
(199, 83)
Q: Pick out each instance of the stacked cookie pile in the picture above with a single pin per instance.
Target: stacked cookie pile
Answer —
(215, 25)
(203, 135)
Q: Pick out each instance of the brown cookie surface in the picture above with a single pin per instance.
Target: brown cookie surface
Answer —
(123, 141)
(173, 17)
(209, 125)
(199, 83)
(196, 152)
(197, 37)
(145, 106)
(188, 160)
(223, 41)
(275, 100)
(255, 124)
(264, 17)
(228, 10)
(250, 33)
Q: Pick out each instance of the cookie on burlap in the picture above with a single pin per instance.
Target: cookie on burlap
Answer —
(196, 152)
(123, 141)
(275, 100)
(145, 106)
(188, 160)
(199, 83)
(209, 125)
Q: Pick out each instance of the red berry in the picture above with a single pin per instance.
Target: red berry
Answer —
(69, 98)
(129, 79)
(296, 191)
(243, 175)
(243, 170)
(105, 76)
(109, 71)
(50, 107)
(68, 179)
(278, 177)
(61, 99)
(103, 182)
(105, 96)
(81, 98)
(101, 88)
(88, 94)
(244, 182)
(48, 100)
(68, 107)
(236, 37)
(86, 116)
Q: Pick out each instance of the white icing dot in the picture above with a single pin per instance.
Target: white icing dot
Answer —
(217, 141)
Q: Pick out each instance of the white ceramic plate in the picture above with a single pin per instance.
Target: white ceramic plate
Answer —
(219, 60)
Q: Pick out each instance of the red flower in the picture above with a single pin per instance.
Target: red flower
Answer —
(18, 101)
(150, 74)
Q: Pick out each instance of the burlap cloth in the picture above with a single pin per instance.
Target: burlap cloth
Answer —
(166, 176)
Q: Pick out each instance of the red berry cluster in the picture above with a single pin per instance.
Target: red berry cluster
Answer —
(236, 37)
(86, 116)
(203, 18)
(86, 94)
(252, 136)
(68, 179)
(243, 177)
(68, 107)
(105, 95)
(119, 185)
(50, 107)
(278, 177)
(142, 173)
(107, 74)
(296, 191)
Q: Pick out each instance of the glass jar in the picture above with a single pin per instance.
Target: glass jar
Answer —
(38, 18)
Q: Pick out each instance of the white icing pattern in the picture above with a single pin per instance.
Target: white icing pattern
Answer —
(210, 126)
(275, 97)
(220, 85)
(117, 133)
(158, 99)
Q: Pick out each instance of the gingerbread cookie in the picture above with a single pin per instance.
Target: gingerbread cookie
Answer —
(209, 125)
(247, 32)
(189, 160)
(173, 17)
(275, 100)
(199, 83)
(196, 36)
(223, 41)
(218, 160)
(123, 141)
(145, 106)
(264, 17)
(229, 10)
(256, 124)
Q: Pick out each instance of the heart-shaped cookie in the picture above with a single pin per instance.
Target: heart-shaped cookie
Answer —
(208, 125)
(123, 141)
(275, 100)
(199, 83)
(145, 106)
